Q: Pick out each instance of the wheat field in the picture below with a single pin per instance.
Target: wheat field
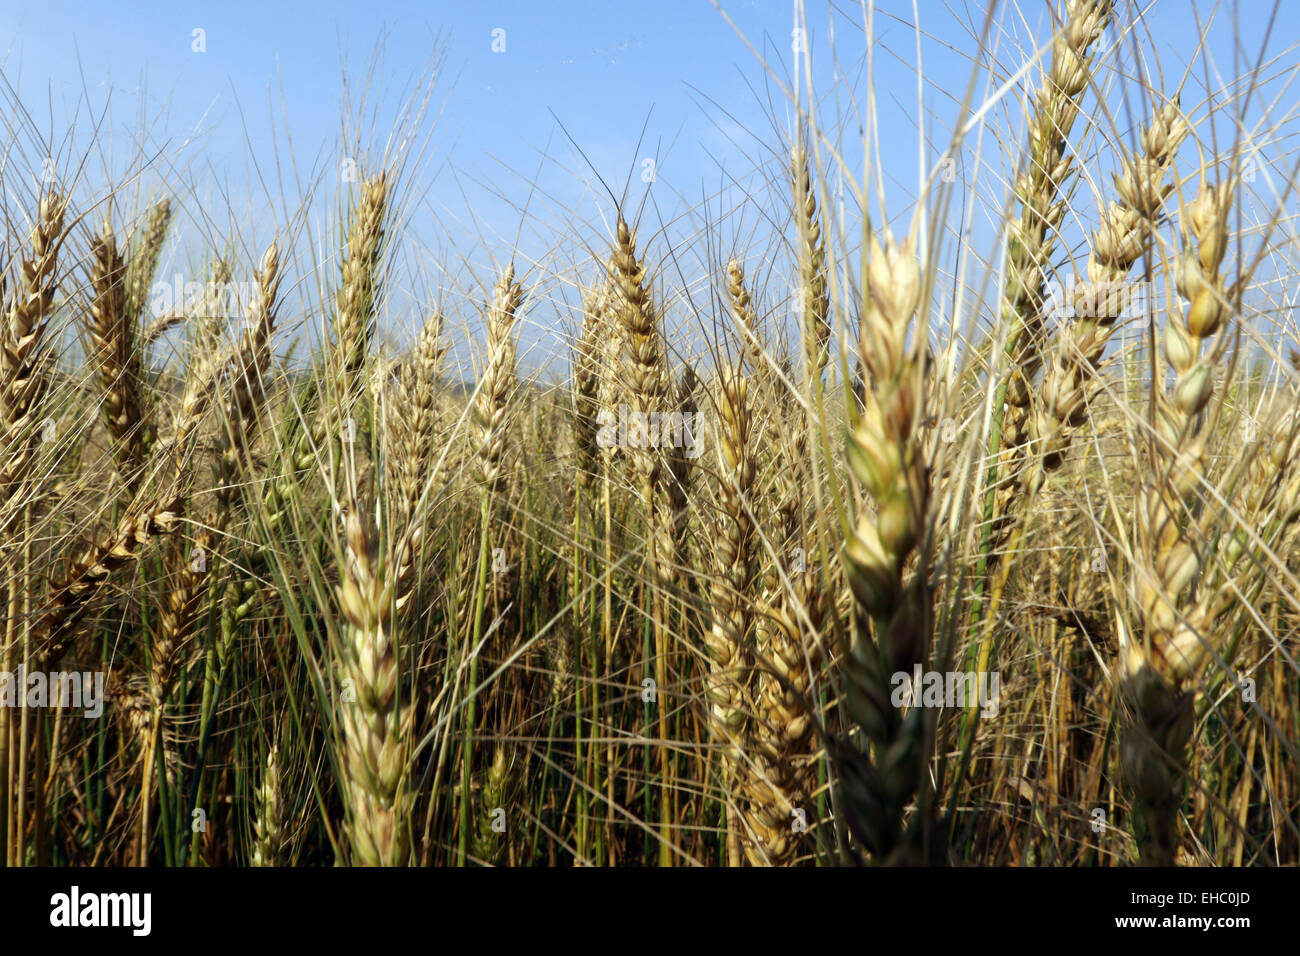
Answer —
(940, 553)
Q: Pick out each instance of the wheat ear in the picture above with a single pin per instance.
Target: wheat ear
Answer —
(178, 615)
(117, 353)
(644, 371)
(1156, 667)
(354, 320)
(586, 382)
(268, 824)
(729, 638)
(787, 654)
(1039, 190)
(499, 381)
(418, 416)
(376, 724)
(1118, 243)
(144, 261)
(72, 591)
(23, 347)
(814, 299)
(242, 412)
(416, 464)
(885, 560)
(742, 312)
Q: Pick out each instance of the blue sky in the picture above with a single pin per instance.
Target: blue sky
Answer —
(577, 86)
